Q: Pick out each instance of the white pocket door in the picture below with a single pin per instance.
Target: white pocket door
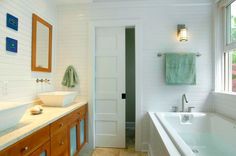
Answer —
(110, 84)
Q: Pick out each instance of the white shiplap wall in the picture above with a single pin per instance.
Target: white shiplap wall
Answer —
(225, 104)
(159, 20)
(73, 48)
(17, 82)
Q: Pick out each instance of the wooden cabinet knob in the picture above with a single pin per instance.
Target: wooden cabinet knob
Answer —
(25, 148)
(61, 124)
(62, 143)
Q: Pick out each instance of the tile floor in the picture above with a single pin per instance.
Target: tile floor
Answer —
(116, 152)
(111, 152)
(128, 151)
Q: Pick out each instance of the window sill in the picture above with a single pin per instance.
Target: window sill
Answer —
(224, 93)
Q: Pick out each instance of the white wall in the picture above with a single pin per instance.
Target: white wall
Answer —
(73, 47)
(15, 69)
(159, 20)
(225, 104)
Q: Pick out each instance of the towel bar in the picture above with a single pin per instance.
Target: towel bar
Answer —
(161, 54)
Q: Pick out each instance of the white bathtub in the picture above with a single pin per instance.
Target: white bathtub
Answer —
(199, 134)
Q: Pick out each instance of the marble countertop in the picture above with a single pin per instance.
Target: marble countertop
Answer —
(31, 123)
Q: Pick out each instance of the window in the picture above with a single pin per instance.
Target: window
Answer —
(231, 23)
(230, 48)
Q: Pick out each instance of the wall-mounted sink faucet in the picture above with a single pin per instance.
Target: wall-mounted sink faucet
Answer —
(43, 80)
(184, 101)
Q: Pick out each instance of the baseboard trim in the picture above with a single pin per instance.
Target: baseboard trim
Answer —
(145, 147)
(150, 153)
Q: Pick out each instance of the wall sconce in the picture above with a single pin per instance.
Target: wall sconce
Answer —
(182, 33)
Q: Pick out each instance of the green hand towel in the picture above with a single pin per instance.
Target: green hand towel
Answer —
(70, 78)
(180, 68)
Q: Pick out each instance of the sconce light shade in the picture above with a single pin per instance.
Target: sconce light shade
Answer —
(182, 33)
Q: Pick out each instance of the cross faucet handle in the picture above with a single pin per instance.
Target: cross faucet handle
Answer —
(190, 109)
(175, 108)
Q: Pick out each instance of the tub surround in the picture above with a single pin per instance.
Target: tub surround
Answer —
(158, 136)
(32, 123)
(193, 134)
(224, 103)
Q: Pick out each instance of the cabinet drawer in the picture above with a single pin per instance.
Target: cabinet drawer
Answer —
(58, 125)
(59, 143)
(44, 150)
(82, 111)
(28, 144)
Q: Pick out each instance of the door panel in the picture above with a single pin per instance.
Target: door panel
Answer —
(110, 84)
(110, 105)
(73, 140)
(106, 66)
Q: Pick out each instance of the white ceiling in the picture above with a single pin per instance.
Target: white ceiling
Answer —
(61, 2)
(64, 2)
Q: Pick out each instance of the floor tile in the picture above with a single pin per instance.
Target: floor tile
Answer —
(116, 152)
(106, 152)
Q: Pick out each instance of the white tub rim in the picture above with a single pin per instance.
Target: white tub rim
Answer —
(170, 146)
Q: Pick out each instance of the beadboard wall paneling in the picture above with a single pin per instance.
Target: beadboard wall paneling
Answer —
(17, 82)
(159, 24)
(73, 50)
(225, 104)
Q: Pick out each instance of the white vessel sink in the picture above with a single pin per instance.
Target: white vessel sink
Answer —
(58, 98)
(10, 114)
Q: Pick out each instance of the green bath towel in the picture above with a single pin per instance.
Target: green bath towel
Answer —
(70, 78)
(180, 68)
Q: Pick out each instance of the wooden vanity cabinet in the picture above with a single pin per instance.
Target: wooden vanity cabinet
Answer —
(29, 144)
(77, 131)
(44, 150)
(59, 136)
(73, 137)
(64, 137)
(83, 127)
(59, 143)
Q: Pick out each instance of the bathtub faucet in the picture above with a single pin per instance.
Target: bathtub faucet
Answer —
(184, 100)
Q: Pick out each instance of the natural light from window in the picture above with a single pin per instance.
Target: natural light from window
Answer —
(232, 37)
(233, 22)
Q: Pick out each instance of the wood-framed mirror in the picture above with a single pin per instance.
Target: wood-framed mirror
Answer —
(41, 45)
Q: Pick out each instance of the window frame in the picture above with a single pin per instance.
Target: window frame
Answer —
(223, 65)
(232, 45)
(228, 48)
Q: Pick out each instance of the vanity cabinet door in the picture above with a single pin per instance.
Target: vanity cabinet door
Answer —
(74, 138)
(83, 128)
(59, 143)
(43, 150)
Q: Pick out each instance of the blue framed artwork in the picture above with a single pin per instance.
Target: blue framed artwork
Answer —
(11, 45)
(12, 22)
